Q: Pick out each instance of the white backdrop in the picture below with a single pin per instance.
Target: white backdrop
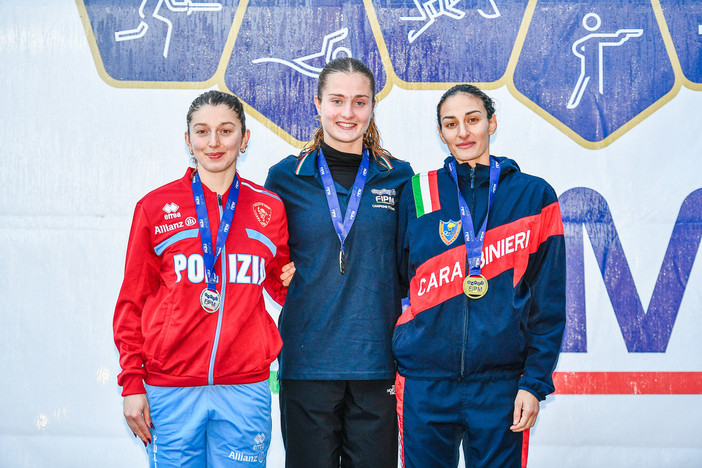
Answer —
(78, 154)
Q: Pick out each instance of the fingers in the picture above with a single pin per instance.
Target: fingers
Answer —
(526, 410)
(147, 417)
(136, 409)
(288, 273)
(516, 414)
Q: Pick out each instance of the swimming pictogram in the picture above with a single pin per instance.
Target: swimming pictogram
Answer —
(590, 51)
(186, 6)
(430, 10)
(329, 52)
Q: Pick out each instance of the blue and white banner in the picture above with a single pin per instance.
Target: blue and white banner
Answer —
(601, 98)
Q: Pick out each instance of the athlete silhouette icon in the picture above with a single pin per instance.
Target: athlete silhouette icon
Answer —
(328, 53)
(590, 51)
(187, 6)
(430, 10)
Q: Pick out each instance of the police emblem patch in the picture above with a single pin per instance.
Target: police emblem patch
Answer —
(449, 231)
(262, 212)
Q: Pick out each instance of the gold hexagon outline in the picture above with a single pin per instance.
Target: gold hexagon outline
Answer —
(265, 121)
(631, 123)
(435, 85)
(392, 79)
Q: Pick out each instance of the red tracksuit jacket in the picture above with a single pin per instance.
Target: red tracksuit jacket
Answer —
(163, 335)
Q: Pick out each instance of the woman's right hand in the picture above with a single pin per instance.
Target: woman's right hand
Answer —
(138, 416)
(288, 273)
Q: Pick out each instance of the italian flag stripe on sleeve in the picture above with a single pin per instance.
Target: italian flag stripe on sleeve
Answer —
(426, 193)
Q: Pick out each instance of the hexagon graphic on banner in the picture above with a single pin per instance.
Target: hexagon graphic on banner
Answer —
(594, 66)
(161, 40)
(684, 20)
(276, 61)
(450, 41)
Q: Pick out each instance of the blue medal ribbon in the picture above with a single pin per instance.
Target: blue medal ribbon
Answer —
(210, 255)
(342, 225)
(474, 243)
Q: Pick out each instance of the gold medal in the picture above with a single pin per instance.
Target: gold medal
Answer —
(475, 287)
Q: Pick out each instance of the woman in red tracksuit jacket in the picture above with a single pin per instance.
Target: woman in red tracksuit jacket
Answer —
(194, 338)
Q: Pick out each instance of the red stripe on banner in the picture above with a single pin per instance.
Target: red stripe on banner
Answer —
(628, 383)
(525, 447)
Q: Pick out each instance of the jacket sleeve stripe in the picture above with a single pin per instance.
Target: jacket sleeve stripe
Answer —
(261, 191)
(510, 245)
(187, 234)
(262, 239)
(506, 247)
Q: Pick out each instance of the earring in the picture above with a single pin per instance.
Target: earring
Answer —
(192, 153)
(243, 150)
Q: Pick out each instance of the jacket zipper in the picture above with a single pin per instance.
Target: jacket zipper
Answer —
(465, 337)
(215, 345)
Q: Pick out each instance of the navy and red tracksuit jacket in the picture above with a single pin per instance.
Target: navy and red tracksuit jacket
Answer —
(517, 327)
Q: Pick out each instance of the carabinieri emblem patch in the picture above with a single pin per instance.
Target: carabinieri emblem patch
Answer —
(449, 231)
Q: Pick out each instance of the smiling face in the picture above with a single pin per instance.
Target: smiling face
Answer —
(465, 128)
(215, 138)
(345, 108)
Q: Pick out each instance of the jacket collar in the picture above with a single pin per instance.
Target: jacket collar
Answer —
(307, 165)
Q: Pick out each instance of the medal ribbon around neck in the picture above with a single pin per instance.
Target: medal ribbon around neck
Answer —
(342, 225)
(474, 243)
(210, 255)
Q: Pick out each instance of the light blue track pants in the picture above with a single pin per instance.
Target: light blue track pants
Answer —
(212, 426)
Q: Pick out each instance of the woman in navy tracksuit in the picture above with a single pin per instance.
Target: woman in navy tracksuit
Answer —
(483, 256)
(336, 367)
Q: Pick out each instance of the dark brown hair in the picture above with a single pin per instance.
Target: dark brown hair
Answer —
(215, 98)
(488, 103)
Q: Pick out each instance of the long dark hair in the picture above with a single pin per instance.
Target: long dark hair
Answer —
(371, 139)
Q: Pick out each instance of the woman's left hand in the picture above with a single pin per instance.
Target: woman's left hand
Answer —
(288, 273)
(526, 408)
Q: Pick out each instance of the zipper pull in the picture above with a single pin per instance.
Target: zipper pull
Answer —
(472, 177)
(219, 199)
